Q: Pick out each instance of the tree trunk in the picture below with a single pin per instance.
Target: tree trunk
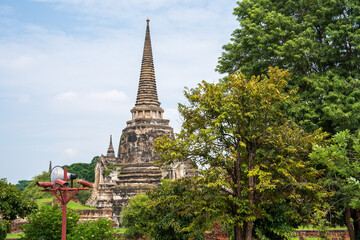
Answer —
(237, 233)
(250, 224)
(349, 225)
(248, 230)
(237, 192)
(357, 224)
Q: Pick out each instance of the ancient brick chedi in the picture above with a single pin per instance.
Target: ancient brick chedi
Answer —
(133, 170)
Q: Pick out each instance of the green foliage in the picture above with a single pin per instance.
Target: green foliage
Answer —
(47, 223)
(93, 230)
(71, 205)
(33, 191)
(44, 201)
(5, 227)
(13, 204)
(317, 41)
(75, 206)
(137, 217)
(22, 184)
(253, 157)
(277, 224)
(341, 159)
(84, 170)
(111, 166)
(83, 196)
(107, 172)
(15, 235)
(160, 214)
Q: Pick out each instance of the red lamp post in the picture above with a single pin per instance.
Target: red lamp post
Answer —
(64, 194)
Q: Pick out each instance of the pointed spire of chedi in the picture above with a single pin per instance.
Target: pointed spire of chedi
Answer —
(110, 151)
(147, 104)
(147, 93)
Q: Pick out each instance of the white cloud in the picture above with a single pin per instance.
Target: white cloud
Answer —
(178, 14)
(66, 97)
(93, 102)
(113, 95)
(69, 152)
(111, 6)
(20, 62)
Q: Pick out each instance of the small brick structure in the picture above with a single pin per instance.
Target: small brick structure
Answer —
(333, 234)
(15, 225)
(216, 233)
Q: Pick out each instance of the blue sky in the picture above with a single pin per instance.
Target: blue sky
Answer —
(69, 71)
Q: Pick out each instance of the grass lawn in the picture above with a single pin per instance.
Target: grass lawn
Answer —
(17, 235)
(306, 238)
(43, 201)
(310, 227)
(75, 206)
(71, 205)
(120, 230)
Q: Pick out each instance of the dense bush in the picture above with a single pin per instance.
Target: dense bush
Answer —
(13, 204)
(93, 230)
(47, 222)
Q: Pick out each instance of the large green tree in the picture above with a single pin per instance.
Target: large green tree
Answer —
(84, 170)
(33, 191)
(318, 41)
(13, 204)
(22, 184)
(250, 151)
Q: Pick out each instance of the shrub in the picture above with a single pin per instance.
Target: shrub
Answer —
(47, 225)
(93, 230)
(47, 222)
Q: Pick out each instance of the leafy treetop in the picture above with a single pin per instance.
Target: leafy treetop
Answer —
(317, 41)
(237, 131)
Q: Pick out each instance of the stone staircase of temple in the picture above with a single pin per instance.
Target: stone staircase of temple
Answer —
(139, 174)
(132, 179)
